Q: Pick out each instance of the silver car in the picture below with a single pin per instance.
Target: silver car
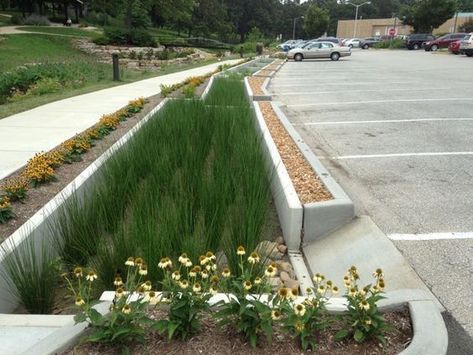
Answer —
(319, 50)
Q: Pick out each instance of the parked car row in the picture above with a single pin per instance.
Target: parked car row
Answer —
(319, 49)
(457, 43)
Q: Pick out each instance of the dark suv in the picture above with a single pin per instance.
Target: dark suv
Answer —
(416, 40)
(444, 41)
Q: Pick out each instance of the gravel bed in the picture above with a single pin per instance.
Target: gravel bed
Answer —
(255, 83)
(308, 186)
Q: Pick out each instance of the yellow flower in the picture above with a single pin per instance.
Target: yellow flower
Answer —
(283, 293)
(210, 256)
(196, 288)
(130, 261)
(334, 290)
(293, 293)
(352, 292)
(270, 271)
(241, 250)
(118, 281)
(152, 298)
(184, 284)
(147, 285)
(253, 258)
(79, 301)
(214, 279)
(143, 270)
(378, 273)
(318, 278)
(381, 284)
(321, 289)
(126, 309)
(213, 289)
(183, 259)
(258, 280)
(299, 309)
(203, 260)
(226, 272)
(119, 293)
(204, 274)
(78, 272)
(347, 281)
(368, 322)
(138, 261)
(91, 276)
(329, 283)
(188, 263)
(276, 314)
(247, 285)
(364, 305)
(300, 327)
(176, 275)
(165, 263)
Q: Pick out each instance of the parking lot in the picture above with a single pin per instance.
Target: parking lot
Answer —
(395, 128)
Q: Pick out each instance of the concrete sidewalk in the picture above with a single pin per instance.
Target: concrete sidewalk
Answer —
(42, 128)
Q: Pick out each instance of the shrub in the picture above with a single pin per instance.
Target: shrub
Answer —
(73, 148)
(189, 91)
(39, 170)
(124, 36)
(391, 44)
(37, 20)
(15, 188)
(6, 212)
(17, 19)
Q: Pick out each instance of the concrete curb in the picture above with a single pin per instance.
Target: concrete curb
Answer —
(322, 217)
(287, 202)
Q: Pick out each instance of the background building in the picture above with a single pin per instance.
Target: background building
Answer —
(381, 26)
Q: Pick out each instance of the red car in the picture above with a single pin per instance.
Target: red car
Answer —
(454, 47)
(444, 41)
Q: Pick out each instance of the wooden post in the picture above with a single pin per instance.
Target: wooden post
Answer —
(116, 69)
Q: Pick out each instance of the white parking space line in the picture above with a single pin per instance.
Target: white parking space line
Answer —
(399, 155)
(331, 83)
(431, 236)
(352, 91)
(382, 101)
(384, 121)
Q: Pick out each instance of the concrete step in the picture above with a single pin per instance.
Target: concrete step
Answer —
(363, 244)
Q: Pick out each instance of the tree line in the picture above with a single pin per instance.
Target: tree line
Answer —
(233, 20)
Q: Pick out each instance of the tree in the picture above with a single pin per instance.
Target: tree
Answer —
(316, 21)
(425, 15)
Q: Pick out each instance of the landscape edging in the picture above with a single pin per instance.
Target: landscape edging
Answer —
(321, 217)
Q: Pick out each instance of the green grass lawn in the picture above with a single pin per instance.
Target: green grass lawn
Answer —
(21, 49)
(68, 31)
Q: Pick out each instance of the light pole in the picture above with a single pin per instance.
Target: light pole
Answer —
(294, 27)
(356, 13)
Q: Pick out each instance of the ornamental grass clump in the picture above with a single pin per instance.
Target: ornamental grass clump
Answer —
(15, 188)
(364, 318)
(128, 319)
(187, 287)
(306, 319)
(244, 308)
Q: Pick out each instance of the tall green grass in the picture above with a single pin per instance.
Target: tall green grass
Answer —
(191, 180)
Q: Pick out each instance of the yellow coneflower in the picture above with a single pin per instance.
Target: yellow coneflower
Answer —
(126, 309)
(193, 272)
(226, 272)
(153, 298)
(204, 274)
(213, 289)
(78, 272)
(300, 327)
(176, 275)
(91, 276)
(143, 270)
(188, 263)
(183, 284)
(214, 279)
(276, 314)
(368, 322)
(79, 301)
(381, 284)
(130, 261)
(352, 292)
(364, 305)
(299, 309)
(203, 260)
(308, 290)
(293, 293)
(196, 288)
(247, 285)
(318, 278)
(183, 259)
(138, 261)
(270, 271)
(147, 285)
(378, 273)
(210, 256)
(120, 292)
(362, 292)
(347, 281)
(321, 289)
(329, 283)
(118, 281)
(258, 280)
(334, 290)
(283, 293)
(164, 263)
(253, 258)
(241, 251)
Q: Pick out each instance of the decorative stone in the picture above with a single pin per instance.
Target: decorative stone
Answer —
(282, 248)
(267, 248)
(222, 260)
(280, 240)
(292, 283)
(275, 282)
(284, 276)
(286, 266)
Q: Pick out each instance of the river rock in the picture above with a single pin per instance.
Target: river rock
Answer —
(290, 283)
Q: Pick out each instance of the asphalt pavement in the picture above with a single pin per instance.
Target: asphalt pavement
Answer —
(395, 128)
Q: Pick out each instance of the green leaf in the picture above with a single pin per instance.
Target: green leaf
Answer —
(95, 316)
(80, 317)
(341, 334)
(171, 329)
(359, 336)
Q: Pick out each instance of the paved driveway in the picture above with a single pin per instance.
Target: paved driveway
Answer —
(396, 130)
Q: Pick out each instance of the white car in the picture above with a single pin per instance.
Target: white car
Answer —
(466, 45)
(319, 50)
(352, 43)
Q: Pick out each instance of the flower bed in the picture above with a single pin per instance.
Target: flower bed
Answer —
(307, 184)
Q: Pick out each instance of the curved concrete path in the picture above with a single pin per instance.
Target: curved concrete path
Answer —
(42, 128)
